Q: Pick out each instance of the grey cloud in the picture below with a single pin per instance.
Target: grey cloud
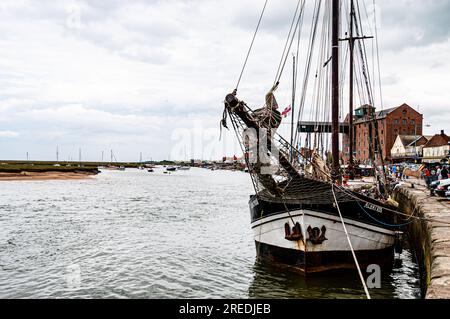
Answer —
(138, 30)
(391, 79)
(417, 23)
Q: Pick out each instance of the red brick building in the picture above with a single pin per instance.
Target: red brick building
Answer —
(401, 120)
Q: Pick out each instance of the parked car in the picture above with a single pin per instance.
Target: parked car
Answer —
(433, 185)
(447, 194)
(442, 188)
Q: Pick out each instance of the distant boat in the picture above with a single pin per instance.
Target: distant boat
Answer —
(113, 168)
(151, 170)
(184, 168)
(171, 169)
(111, 165)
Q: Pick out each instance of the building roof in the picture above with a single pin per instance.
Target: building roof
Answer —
(408, 139)
(365, 106)
(412, 140)
(438, 140)
(382, 114)
(379, 115)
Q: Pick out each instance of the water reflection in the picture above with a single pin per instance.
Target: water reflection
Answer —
(279, 281)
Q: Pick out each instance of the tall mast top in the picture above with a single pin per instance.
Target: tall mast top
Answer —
(336, 175)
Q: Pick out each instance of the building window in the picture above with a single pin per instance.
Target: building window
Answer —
(413, 122)
(404, 122)
(395, 122)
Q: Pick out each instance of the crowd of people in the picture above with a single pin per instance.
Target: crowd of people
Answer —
(437, 173)
(429, 173)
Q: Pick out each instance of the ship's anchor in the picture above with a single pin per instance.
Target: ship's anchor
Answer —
(316, 235)
(295, 234)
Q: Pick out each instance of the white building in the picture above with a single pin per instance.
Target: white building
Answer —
(408, 147)
(437, 149)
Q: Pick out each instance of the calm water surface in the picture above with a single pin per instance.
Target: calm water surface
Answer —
(136, 234)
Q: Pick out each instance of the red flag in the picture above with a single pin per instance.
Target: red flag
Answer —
(286, 111)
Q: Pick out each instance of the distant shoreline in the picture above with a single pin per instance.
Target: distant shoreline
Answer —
(45, 176)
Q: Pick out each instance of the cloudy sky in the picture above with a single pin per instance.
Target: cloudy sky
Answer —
(150, 76)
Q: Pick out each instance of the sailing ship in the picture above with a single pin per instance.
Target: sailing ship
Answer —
(301, 212)
(113, 164)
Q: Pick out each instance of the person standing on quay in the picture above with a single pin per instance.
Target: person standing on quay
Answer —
(444, 173)
(426, 175)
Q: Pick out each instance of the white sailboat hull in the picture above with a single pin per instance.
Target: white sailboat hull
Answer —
(331, 251)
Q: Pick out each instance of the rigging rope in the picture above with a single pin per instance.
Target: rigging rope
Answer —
(251, 45)
(299, 20)
(313, 33)
(351, 246)
(287, 41)
(378, 53)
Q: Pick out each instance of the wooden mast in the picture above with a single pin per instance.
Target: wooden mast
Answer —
(352, 53)
(336, 176)
(292, 111)
(351, 43)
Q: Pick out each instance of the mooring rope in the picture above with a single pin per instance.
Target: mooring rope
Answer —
(396, 211)
(383, 223)
(351, 246)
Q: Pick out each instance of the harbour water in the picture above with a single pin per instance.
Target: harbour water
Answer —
(136, 234)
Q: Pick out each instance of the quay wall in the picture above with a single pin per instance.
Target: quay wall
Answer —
(429, 238)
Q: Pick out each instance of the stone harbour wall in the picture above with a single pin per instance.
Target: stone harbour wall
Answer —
(429, 238)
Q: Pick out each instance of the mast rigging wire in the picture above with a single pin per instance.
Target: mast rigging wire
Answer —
(283, 59)
(313, 33)
(378, 53)
(251, 45)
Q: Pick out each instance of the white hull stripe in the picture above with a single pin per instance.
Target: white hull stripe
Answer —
(273, 233)
(330, 217)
